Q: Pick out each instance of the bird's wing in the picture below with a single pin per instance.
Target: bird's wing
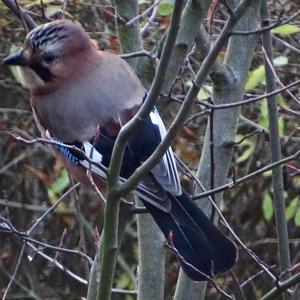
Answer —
(147, 189)
(165, 172)
(139, 148)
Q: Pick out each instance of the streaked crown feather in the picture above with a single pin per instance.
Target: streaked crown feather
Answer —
(58, 36)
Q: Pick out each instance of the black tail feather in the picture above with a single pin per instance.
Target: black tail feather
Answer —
(203, 249)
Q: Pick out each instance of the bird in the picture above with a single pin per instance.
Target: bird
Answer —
(81, 96)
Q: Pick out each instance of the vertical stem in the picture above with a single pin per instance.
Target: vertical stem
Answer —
(192, 17)
(109, 247)
(129, 35)
(124, 215)
(150, 240)
(212, 160)
(151, 271)
(277, 178)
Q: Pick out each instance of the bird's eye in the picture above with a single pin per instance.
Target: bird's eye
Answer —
(49, 58)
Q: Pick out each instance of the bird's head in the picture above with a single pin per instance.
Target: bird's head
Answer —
(50, 53)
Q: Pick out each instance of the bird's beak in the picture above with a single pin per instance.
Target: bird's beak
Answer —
(16, 59)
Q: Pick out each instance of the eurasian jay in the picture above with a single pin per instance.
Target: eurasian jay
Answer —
(82, 96)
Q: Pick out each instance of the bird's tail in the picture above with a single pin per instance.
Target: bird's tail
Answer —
(203, 250)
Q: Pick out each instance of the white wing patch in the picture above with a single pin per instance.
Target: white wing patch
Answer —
(165, 172)
(94, 155)
(91, 152)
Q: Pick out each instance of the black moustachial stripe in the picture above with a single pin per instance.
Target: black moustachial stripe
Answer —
(43, 72)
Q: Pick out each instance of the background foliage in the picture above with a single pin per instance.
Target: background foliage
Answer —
(31, 179)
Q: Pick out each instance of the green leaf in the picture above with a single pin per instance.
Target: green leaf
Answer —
(246, 154)
(123, 281)
(281, 101)
(205, 92)
(60, 183)
(267, 207)
(51, 10)
(14, 49)
(248, 148)
(263, 118)
(267, 173)
(297, 218)
(291, 209)
(165, 8)
(280, 61)
(281, 125)
(286, 29)
(257, 76)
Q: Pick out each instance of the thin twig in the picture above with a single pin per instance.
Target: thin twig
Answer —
(238, 286)
(138, 54)
(282, 287)
(14, 275)
(20, 13)
(51, 209)
(256, 275)
(207, 277)
(149, 21)
(250, 100)
(144, 13)
(57, 264)
(266, 28)
(50, 141)
(25, 237)
(286, 44)
(30, 243)
(34, 208)
(238, 181)
(271, 66)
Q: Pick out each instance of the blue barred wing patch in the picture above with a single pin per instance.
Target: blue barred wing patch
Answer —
(67, 152)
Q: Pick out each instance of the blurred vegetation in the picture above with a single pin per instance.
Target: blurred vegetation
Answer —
(31, 179)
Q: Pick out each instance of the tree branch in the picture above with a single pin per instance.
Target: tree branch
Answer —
(277, 176)
(228, 87)
(20, 13)
(282, 287)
